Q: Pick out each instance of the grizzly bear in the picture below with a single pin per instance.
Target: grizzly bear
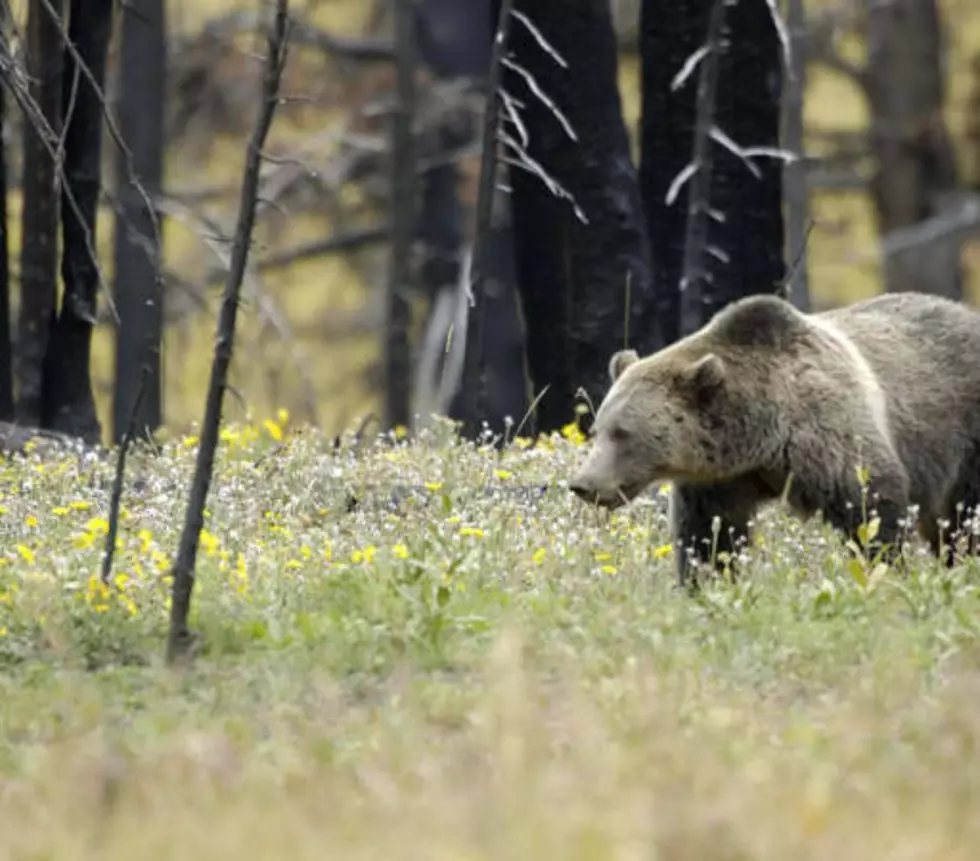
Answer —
(867, 411)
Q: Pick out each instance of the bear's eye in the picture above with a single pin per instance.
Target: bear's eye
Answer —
(620, 434)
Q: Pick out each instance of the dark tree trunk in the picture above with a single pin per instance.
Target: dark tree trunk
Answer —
(137, 287)
(746, 254)
(68, 402)
(397, 349)
(501, 371)
(797, 198)
(582, 285)
(39, 216)
(453, 44)
(915, 161)
(6, 356)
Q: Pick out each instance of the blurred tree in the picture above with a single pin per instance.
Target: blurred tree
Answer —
(6, 357)
(973, 124)
(397, 348)
(795, 189)
(744, 242)
(915, 164)
(68, 401)
(454, 45)
(585, 287)
(39, 215)
(137, 278)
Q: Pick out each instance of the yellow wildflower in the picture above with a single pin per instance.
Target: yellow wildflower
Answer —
(98, 525)
(400, 551)
(25, 553)
(273, 429)
(538, 556)
(573, 433)
(209, 542)
(608, 569)
(80, 505)
(31, 521)
(83, 540)
(190, 441)
(433, 486)
(60, 510)
(366, 555)
(471, 531)
(663, 550)
(503, 473)
(282, 415)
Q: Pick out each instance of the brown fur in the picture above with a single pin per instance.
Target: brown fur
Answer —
(763, 394)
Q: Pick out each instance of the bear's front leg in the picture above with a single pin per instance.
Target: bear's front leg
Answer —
(848, 506)
(693, 509)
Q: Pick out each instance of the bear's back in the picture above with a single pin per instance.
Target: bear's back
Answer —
(925, 352)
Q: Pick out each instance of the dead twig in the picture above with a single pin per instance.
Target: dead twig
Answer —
(117, 483)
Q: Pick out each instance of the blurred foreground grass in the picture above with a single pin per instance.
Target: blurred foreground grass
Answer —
(468, 663)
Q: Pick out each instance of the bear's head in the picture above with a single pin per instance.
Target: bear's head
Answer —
(703, 410)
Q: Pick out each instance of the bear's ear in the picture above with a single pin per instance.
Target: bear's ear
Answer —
(706, 375)
(620, 362)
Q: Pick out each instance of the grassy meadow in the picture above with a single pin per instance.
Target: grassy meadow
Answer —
(428, 650)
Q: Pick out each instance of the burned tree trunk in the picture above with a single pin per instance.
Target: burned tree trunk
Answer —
(6, 356)
(585, 285)
(915, 164)
(743, 246)
(39, 216)
(454, 46)
(397, 349)
(796, 195)
(137, 288)
(68, 403)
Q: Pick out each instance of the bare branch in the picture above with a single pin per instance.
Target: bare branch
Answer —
(117, 482)
(699, 196)
(535, 88)
(539, 37)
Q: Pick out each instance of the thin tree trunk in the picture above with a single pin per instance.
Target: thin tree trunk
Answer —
(138, 286)
(454, 44)
(39, 215)
(745, 245)
(794, 174)
(397, 349)
(6, 355)
(179, 638)
(915, 162)
(585, 287)
(68, 401)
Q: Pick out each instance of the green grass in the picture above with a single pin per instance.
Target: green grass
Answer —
(479, 668)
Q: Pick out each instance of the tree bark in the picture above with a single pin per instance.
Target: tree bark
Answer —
(745, 249)
(397, 349)
(138, 285)
(796, 210)
(915, 164)
(39, 216)
(453, 42)
(585, 288)
(6, 355)
(68, 402)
